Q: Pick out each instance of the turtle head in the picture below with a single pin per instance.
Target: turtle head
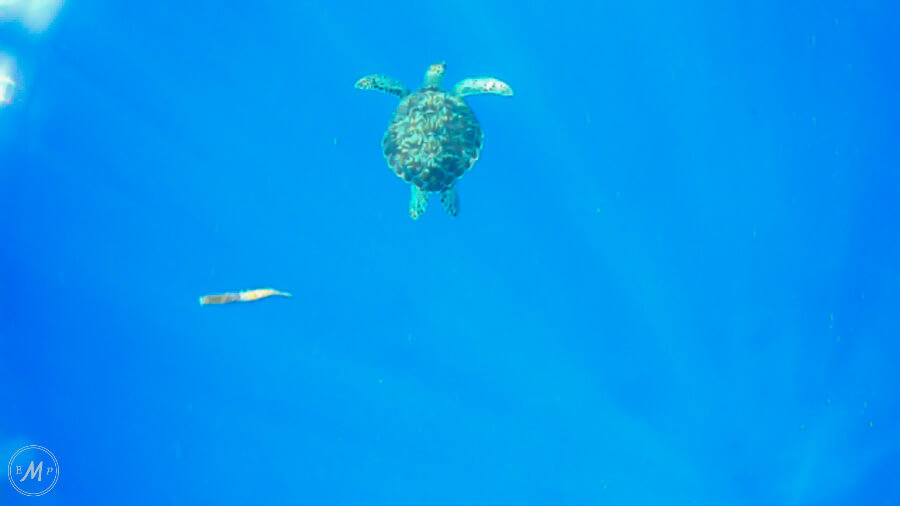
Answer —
(434, 75)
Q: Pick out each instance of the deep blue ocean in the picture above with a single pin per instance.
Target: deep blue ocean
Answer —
(674, 278)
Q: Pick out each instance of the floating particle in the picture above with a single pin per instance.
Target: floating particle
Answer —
(245, 296)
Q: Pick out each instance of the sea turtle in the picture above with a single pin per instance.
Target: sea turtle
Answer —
(433, 137)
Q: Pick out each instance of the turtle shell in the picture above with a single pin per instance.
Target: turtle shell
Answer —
(433, 139)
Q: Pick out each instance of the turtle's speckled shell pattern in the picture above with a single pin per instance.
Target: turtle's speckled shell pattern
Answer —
(433, 139)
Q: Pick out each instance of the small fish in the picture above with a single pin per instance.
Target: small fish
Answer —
(245, 296)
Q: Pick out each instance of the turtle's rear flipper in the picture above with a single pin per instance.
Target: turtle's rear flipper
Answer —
(450, 200)
(382, 83)
(418, 202)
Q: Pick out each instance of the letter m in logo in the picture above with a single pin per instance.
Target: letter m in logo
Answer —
(34, 471)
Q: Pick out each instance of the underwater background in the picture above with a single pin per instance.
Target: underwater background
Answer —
(674, 279)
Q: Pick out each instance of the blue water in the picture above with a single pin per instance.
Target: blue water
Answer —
(674, 279)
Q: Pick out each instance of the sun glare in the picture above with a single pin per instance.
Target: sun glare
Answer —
(7, 84)
(35, 15)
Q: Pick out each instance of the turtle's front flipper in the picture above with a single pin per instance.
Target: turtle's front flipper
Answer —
(418, 202)
(383, 84)
(478, 85)
(450, 200)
